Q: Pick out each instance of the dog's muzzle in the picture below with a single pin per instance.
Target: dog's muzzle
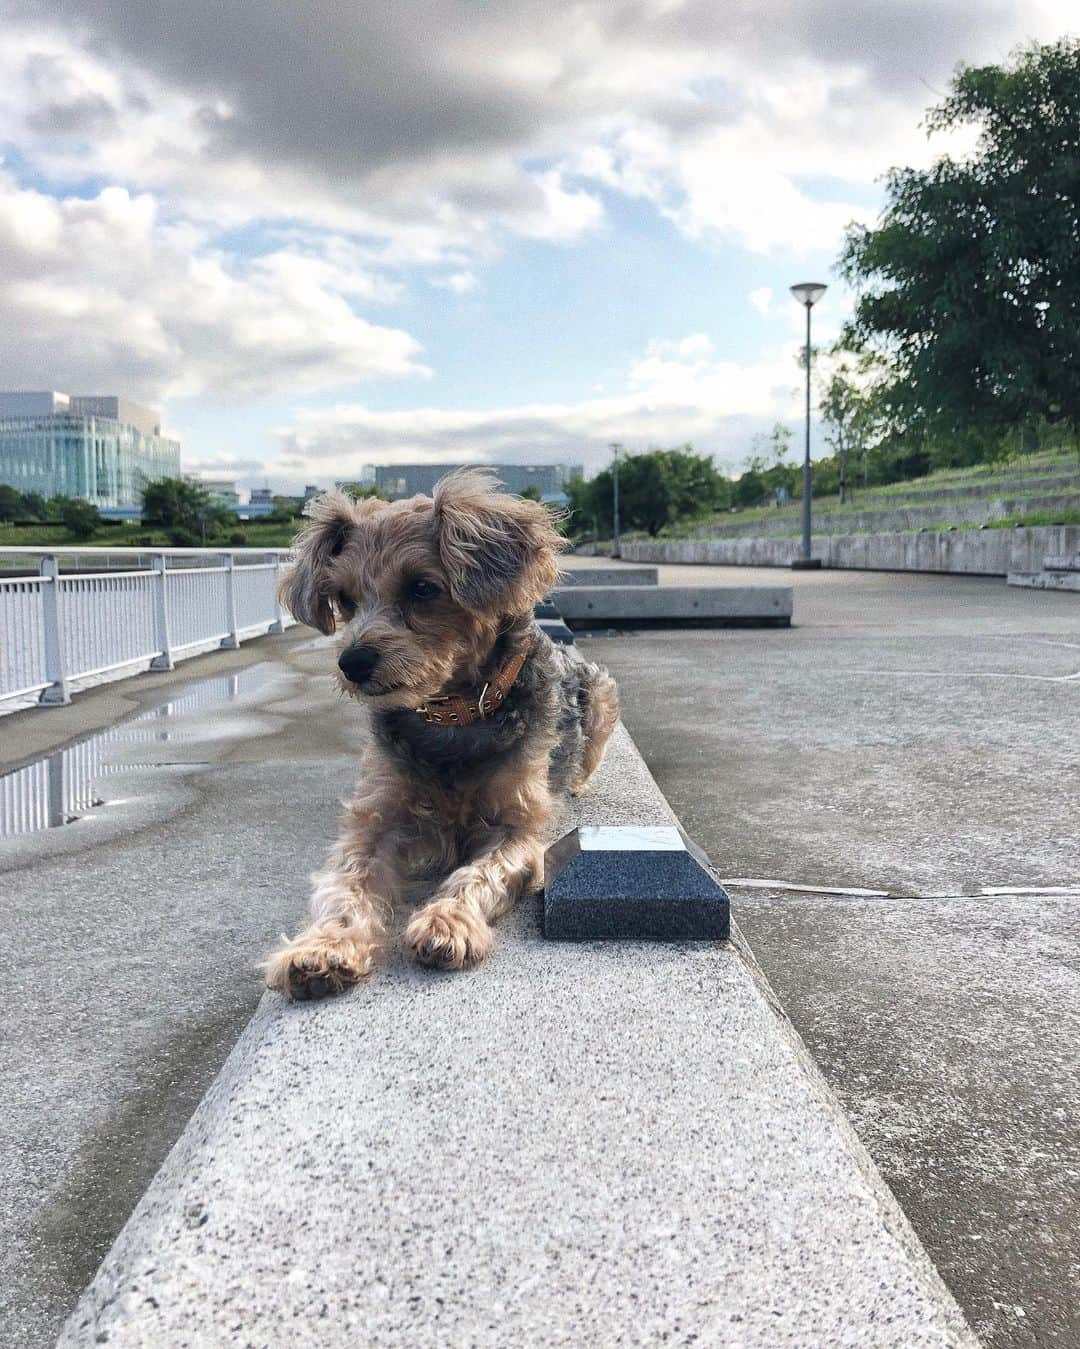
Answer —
(357, 663)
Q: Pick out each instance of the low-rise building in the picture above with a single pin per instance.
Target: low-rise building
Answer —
(395, 481)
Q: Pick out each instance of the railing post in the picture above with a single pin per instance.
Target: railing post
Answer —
(232, 641)
(164, 659)
(56, 694)
(278, 624)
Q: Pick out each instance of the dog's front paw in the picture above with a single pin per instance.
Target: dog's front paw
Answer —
(443, 935)
(319, 965)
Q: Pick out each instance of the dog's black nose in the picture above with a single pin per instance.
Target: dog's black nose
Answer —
(357, 663)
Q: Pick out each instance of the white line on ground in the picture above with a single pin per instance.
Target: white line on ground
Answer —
(854, 892)
(971, 674)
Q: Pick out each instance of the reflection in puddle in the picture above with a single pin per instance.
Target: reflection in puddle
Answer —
(59, 789)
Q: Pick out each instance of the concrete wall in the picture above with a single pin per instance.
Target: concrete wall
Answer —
(989, 552)
(899, 518)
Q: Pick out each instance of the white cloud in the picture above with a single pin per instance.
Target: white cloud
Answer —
(103, 292)
(677, 391)
(459, 283)
(761, 299)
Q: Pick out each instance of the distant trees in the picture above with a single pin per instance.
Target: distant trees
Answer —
(655, 488)
(185, 510)
(10, 502)
(969, 286)
(81, 519)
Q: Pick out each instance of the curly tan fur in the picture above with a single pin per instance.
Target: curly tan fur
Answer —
(439, 592)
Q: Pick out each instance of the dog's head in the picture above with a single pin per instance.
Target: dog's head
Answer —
(419, 590)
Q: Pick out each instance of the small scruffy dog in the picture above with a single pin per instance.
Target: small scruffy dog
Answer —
(480, 721)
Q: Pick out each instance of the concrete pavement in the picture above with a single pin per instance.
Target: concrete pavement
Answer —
(134, 935)
(915, 735)
(602, 1143)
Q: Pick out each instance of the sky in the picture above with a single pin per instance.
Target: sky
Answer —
(325, 234)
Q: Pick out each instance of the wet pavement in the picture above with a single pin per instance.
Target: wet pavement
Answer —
(134, 947)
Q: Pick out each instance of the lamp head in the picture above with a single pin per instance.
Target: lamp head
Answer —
(809, 292)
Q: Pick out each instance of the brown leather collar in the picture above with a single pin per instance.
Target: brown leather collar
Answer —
(453, 709)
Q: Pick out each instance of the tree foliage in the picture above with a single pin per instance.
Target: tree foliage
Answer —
(186, 510)
(81, 519)
(655, 489)
(969, 286)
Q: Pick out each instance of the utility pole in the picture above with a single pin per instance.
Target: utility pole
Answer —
(616, 450)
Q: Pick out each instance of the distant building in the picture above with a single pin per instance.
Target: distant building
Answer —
(262, 496)
(223, 491)
(99, 447)
(406, 480)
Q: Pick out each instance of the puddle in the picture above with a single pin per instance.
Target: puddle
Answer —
(66, 785)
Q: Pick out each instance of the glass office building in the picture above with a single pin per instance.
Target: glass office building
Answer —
(101, 448)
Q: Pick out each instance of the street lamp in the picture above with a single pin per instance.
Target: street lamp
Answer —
(807, 293)
(616, 450)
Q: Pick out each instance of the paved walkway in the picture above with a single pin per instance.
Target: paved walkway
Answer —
(915, 735)
(136, 932)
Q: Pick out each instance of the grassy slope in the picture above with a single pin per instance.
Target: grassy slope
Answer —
(259, 535)
(893, 495)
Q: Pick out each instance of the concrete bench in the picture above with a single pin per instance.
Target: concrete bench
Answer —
(593, 1143)
(674, 606)
(608, 576)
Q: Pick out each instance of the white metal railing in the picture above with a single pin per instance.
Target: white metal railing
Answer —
(126, 607)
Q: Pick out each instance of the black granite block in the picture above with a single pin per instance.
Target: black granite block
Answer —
(616, 881)
(546, 609)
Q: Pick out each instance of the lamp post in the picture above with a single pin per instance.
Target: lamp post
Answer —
(807, 293)
(616, 450)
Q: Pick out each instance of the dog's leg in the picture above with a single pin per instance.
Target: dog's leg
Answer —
(351, 905)
(454, 929)
(600, 716)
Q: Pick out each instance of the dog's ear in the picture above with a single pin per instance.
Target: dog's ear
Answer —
(303, 589)
(499, 552)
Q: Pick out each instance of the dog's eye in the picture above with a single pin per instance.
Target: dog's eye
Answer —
(422, 589)
(347, 607)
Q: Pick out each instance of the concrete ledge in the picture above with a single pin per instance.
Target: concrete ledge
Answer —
(1046, 580)
(971, 552)
(653, 606)
(608, 576)
(575, 1144)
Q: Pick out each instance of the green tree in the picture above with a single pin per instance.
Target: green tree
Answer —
(81, 519)
(173, 503)
(186, 511)
(969, 286)
(531, 492)
(10, 502)
(34, 506)
(655, 489)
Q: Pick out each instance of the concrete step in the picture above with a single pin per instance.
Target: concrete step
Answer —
(1046, 580)
(608, 576)
(1062, 563)
(592, 1143)
(674, 606)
